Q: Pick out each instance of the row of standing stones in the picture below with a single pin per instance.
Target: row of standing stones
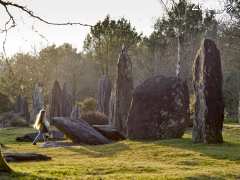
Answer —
(156, 109)
(159, 107)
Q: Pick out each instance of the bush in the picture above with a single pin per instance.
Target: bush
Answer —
(95, 118)
(88, 104)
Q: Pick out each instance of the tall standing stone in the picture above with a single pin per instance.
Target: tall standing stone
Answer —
(103, 96)
(209, 105)
(124, 88)
(56, 101)
(112, 103)
(38, 99)
(21, 107)
(66, 102)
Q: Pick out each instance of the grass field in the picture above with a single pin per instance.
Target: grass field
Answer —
(166, 159)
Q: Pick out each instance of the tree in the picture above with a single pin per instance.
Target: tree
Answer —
(183, 21)
(105, 40)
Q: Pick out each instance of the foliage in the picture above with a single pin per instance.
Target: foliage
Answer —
(105, 40)
(231, 94)
(233, 8)
(162, 159)
(61, 63)
(95, 118)
(88, 104)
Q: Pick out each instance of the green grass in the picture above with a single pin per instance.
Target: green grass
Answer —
(166, 159)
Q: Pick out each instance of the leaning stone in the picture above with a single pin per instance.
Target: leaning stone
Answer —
(79, 131)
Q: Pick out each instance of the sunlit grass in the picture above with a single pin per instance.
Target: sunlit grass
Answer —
(166, 159)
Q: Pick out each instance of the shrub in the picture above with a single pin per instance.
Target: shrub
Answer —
(95, 118)
(88, 104)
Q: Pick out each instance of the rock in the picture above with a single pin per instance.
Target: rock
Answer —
(76, 112)
(55, 135)
(103, 96)
(20, 157)
(95, 118)
(159, 109)
(38, 99)
(124, 87)
(209, 105)
(66, 102)
(109, 132)
(79, 131)
(56, 101)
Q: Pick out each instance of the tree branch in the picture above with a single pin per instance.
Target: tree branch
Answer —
(7, 4)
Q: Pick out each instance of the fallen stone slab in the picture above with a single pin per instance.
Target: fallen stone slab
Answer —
(79, 131)
(109, 132)
(55, 136)
(20, 157)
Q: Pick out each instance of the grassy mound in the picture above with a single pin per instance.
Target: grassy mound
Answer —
(166, 159)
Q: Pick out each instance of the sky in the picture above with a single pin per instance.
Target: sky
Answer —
(31, 35)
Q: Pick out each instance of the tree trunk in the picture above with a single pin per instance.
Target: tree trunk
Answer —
(3, 164)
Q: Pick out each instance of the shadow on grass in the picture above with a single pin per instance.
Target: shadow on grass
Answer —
(204, 177)
(107, 150)
(19, 175)
(227, 150)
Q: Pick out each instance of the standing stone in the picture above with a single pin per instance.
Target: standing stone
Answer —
(18, 104)
(25, 110)
(112, 104)
(38, 99)
(209, 105)
(66, 102)
(56, 101)
(21, 108)
(124, 87)
(103, 96)
(159, 109)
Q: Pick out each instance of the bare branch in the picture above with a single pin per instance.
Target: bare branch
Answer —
(7, 4)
